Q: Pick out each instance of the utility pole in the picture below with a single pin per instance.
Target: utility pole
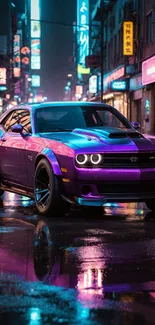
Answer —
(102, 50)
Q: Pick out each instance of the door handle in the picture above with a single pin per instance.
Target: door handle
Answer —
(3, 139)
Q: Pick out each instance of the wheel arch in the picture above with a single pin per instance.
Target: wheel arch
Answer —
(48, 154)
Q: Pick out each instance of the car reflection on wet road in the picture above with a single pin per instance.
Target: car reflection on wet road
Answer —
(76, 269)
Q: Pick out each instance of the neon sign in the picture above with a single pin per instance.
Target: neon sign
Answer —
(116, 74)
(119, 85)
(148, 71)
(35, 81)
(16, 56)
(83, 29)
(35, 9)
(35, 35)
(2, 76)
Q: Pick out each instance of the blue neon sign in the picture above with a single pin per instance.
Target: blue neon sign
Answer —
(83, 29)
(119, 85)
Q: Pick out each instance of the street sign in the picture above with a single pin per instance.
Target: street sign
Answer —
(93, 61)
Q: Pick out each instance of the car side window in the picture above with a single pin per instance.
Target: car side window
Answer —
(24, 120)
(18, 117)
(7, 122)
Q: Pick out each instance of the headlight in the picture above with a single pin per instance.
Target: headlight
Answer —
(81, 159)
(95, 159)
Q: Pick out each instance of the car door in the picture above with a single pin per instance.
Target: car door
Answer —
(13, 148)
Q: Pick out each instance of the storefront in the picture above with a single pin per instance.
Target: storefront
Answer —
(116, 90)
(148, 81)
(136, 100)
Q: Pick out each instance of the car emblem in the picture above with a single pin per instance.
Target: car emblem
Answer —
(30, 157)
(133, 159)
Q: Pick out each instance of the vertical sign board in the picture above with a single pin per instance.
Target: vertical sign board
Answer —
(35, 34)
(2, 76)
(35, 9)
(16, 55)
(128, 38)
(83, 30)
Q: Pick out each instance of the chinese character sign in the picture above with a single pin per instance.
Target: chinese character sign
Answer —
(83, 29)
(128, 38)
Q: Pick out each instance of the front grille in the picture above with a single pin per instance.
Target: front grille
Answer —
(126, 188)
(124, 160)
(130, 160)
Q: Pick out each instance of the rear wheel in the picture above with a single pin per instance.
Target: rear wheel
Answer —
(150, 204)
(47, 191)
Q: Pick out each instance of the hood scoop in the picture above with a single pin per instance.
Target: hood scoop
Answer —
(125, 135)
(117, 135)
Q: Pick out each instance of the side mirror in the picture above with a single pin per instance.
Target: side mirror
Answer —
(136, 125)
(17, 128)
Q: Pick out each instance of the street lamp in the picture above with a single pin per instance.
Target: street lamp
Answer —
(70, 75)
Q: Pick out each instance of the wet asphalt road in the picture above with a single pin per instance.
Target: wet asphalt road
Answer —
(76, 270)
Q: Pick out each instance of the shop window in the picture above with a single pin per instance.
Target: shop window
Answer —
(149, 28)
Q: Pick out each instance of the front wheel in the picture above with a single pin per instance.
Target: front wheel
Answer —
(47, 191)
(150, 204)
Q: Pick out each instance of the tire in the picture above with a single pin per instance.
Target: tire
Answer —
(47, 191)
(150, 204)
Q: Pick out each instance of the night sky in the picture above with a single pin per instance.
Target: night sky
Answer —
(56, 45)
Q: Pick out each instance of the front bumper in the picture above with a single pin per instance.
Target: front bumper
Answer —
(111, 186)
(113, 198)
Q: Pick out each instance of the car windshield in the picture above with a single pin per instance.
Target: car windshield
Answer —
(68, 118)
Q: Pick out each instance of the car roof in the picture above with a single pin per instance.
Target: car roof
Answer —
(65, 103)
(34, 106)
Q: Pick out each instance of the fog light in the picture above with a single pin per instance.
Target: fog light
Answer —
(81, 159)
(95, 159)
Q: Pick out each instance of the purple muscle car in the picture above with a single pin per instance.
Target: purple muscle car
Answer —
(64, 154)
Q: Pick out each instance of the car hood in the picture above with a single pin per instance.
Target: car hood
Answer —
(106, 138)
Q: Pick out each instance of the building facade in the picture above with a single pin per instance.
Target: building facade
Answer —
(148, 65)
(5, 50)
(20, 52)
(129, 80)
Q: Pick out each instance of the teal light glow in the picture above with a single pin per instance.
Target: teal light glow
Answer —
(34, 316)
(2, 88)
(83, 313)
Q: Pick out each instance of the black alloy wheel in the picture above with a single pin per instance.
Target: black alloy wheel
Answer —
(47, 191)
